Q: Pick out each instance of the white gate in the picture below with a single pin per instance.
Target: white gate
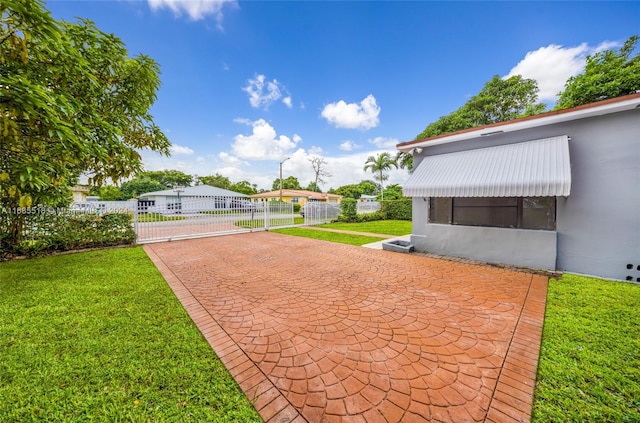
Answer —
(207, 216)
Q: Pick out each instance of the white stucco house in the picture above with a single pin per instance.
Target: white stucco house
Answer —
(559, 190)
(192, 199)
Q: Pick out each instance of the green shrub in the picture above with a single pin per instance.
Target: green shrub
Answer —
(47, 230)
(349, 209)
(296, 208)
(397, 209)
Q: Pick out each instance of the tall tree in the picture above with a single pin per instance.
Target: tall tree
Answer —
(169, 178)
(607, 74)
(140, 185)
(379, 166)
(216, 180)
(290, 182)
(498, 101)
(313, 187)
(108, 193)
(320, 171)
(71, 101)
(244, 187)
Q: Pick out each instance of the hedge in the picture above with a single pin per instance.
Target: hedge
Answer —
(389, 210)
(46, 230)
(397, 209)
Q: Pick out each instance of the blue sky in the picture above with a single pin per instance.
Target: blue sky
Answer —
(246, 85)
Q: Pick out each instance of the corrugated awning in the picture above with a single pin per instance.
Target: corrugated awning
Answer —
(538, 168)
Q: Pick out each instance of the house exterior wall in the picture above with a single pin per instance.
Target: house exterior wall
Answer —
(597, 226)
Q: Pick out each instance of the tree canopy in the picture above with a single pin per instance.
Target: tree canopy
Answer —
(355, 191)
(498, 101)
(290, 182)
(169, 178)
(72, 101)
(607, 74)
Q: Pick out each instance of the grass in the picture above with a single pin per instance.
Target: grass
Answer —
(157, 217)
(589, 369)
(384, 227)
(99, 336)
(329, 236)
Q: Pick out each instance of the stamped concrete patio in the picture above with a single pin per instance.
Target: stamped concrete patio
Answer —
(314, 331)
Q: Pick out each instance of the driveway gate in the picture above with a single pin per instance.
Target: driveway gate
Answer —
(207, 216)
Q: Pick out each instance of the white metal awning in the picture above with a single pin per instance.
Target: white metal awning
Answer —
(538, 168)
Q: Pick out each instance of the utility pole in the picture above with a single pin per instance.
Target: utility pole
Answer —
(281, 177)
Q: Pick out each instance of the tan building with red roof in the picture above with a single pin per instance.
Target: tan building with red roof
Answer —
(297, 196)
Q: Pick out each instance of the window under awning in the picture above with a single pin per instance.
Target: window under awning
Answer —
(539, 168)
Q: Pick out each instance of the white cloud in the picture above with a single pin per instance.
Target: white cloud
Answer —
(179, 149)
(201, 160)
(229, 160)
(263, 143)
(195, 9)
(353, 115)
(263, 93)
(348, 145)
(382, 142)
(315, 150)
(551, 66)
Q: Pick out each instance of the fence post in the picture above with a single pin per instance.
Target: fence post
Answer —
(135, 219)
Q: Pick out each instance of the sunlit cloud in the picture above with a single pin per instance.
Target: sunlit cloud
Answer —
(263, 143)
(363, 115)
(263, 93)
(179, 149)
(195, 9)
(552, 65)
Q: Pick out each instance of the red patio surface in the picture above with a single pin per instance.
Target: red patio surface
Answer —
(322, 332)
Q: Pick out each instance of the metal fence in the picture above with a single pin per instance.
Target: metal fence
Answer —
(368, 207)
(207, 216)
(316, 213)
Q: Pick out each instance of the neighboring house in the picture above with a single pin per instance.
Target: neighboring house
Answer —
(559, 190)
(368, 198)
(79, 193)
(198, 198)
(297, 196)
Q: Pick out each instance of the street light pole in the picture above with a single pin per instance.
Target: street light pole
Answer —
(281, 177)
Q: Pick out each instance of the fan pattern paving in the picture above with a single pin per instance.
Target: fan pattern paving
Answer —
(350, 334)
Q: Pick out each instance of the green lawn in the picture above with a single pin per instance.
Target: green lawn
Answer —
(329, 236)
(589, 369)
(384, 227)
(99, 336)
(157, 217)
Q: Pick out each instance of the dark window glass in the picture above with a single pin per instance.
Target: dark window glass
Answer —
(501, 212)
(539, 213)
(440, 210)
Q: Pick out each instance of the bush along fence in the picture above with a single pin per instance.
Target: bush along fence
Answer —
(389, 210)
(32, 231)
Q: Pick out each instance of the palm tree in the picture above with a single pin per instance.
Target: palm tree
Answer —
(405, 161)
(379, 165)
